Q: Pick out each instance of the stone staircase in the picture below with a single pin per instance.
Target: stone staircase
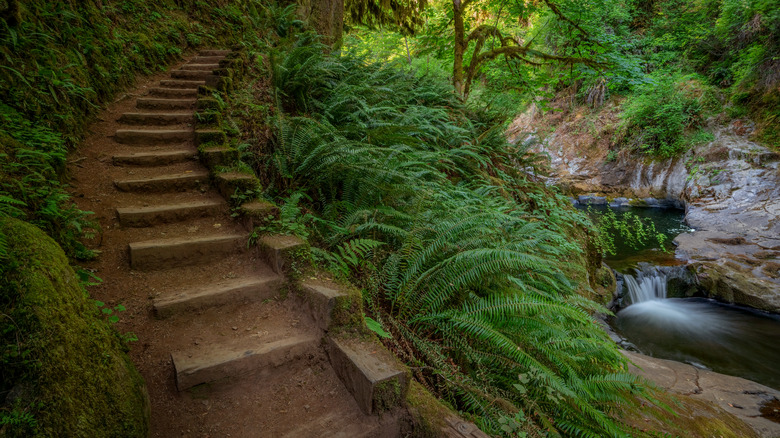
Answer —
(225, 349)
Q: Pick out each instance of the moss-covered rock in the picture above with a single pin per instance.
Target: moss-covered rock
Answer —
(65, 371)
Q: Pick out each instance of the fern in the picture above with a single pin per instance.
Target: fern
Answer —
(348, 256)
(460, 255)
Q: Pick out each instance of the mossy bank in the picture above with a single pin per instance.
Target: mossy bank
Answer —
(65, 370)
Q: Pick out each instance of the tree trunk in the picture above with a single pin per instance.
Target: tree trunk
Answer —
(327, 18)
(460, 48)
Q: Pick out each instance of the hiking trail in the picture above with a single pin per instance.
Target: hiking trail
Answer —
(224, 350)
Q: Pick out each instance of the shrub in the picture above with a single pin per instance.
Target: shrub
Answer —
(658, 118)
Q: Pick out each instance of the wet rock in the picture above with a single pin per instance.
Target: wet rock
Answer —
(592, 200)
(620, 202)
(740, 397)
(727, 282)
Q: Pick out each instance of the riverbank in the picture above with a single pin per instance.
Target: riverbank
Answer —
(751, 402)
(729, 188)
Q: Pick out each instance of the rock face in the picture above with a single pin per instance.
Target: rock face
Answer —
(742, 398)
(733, 203)
(729, 187)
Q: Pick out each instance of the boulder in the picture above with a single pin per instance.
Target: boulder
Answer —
(66, 371)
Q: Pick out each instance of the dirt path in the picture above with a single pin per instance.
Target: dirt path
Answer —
(222, 353)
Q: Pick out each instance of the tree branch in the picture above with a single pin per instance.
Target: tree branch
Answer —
(519, 51)
(560, 15)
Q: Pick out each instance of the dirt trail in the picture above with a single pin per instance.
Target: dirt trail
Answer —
(208, 314)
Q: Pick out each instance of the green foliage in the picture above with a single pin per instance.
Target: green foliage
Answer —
(658, 117)
(627, 228)
(61, 61)
(108, 312)
(292, 220)
(17, 419)
(738, 54)
(282, 19)
(347, 258)
(462, 258)
(30, 186)
(376, 327)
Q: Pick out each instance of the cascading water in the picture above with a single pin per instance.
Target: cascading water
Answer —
(649, 284)
(702, 332)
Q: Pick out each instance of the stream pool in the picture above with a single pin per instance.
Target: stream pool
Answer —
(669, 221)
(705, 333)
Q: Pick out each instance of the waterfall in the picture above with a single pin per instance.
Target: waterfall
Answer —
(646, 288)
(650, 281)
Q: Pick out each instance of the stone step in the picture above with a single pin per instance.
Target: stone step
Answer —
(200, 67)
(279, 251)
(152, 136)
(158, 158)
(181, 83)
(163, 214)
(191, 74)
(228, 182)
(173, 92)
(231, 291)
(165, 183)
(207, 59)
(321, 298)
(157, 118)
(224, 361)
(165, 104)
(369, 372)
(338, 424)
(214, 53)
(183, 251)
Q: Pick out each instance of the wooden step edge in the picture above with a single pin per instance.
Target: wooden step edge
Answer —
(162, 214)
(172, 182)
(157, 118)
(173, 92)
(321, 298)
(200, 67)
(192, 74)
(252, 289)
(151, 159)
(183, 251)
(152, 137)
(369, 372)
(182, 83)
(224, 362)
(207, 59)
(161, 103)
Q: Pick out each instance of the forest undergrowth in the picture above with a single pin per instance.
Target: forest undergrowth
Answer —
(475, 269)
(61, 62)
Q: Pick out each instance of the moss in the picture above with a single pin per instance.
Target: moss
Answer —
(208, 103)
(387, 395)
(347, 314)
(427, 412)
(209, 119)
(691, 418)
(80, 380)
(213, 137)
(606, 283)
(230, 182)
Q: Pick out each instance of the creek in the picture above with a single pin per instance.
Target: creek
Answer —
(653, 318)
